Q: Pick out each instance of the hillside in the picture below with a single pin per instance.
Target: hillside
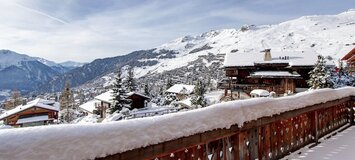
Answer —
(25, 73)
(329, 35)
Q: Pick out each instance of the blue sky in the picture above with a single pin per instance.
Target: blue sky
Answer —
(83, 30)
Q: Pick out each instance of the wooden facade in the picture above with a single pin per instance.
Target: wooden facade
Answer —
(240, 79)
(102, 108)
(138, 100)
(350, 60)
(34, 111)
(266, 138)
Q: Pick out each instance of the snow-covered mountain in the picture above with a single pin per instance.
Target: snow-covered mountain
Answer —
(329, 35)
(10, 58)
(22, 72)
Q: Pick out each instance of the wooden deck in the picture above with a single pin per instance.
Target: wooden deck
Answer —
(266, 138)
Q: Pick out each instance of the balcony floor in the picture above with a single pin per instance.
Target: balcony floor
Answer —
(340, 147)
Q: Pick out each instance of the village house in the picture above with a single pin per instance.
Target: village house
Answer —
(34, 113)
(181, 91)
(105, 101)
(89, 107)
(280, 72)
(349, 58)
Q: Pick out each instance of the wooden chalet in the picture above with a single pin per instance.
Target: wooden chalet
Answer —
(105, 101)
(350, 60)
(279, 72)
(35, 113)
(138, 100)
(89, 107)
(181, 91)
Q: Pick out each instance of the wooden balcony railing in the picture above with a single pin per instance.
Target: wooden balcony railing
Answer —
(266, 138)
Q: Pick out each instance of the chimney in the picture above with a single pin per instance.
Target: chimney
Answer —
(24, 102)
(267, 56)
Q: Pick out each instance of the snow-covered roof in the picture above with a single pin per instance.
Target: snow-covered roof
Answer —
(32, 119)
(181, 89)
(89, 106)
(108, 98)
(105, 97)
(295, 58)
(118, 137)
(260, 92)
(46, 104)
(136, 93)
(185, 102)
(273, 74)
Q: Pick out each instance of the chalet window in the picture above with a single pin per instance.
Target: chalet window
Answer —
(32, 115)
(231, 72)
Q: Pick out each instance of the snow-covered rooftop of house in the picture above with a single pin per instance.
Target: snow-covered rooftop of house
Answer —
(181, 89)
(46, 104)
(106, 97)
(89, 106)
(274, 74)
(295, 58)
(137, 93)
(89, 141)
(185, 102)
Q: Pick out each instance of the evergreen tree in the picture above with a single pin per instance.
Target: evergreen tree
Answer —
(169, 83)
(146, 90)
(319, 75)
(119, 94)
(68, 109)
(131, 82)
(169, 97)
(198, 99)
(16, 100)
(341, 77)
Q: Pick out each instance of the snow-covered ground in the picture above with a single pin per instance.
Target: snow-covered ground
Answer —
(87, 141)
(340, 146)
(214, 96)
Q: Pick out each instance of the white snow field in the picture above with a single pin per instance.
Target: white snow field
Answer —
(300, 39)
(87, 141)
(340, 146)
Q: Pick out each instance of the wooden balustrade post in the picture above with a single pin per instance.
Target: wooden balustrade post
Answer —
(236, 146)
(351, 112)
(315, 125)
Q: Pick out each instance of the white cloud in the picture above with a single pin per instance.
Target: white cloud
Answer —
(69, 30)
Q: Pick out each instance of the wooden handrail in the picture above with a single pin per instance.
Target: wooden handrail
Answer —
(265, 138)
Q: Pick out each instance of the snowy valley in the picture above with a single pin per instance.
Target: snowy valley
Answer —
(247, 92)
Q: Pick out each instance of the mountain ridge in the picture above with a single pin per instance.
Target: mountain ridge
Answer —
(25, 73)
(329, 35)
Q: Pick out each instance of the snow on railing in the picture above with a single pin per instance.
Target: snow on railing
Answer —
(88, 141)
